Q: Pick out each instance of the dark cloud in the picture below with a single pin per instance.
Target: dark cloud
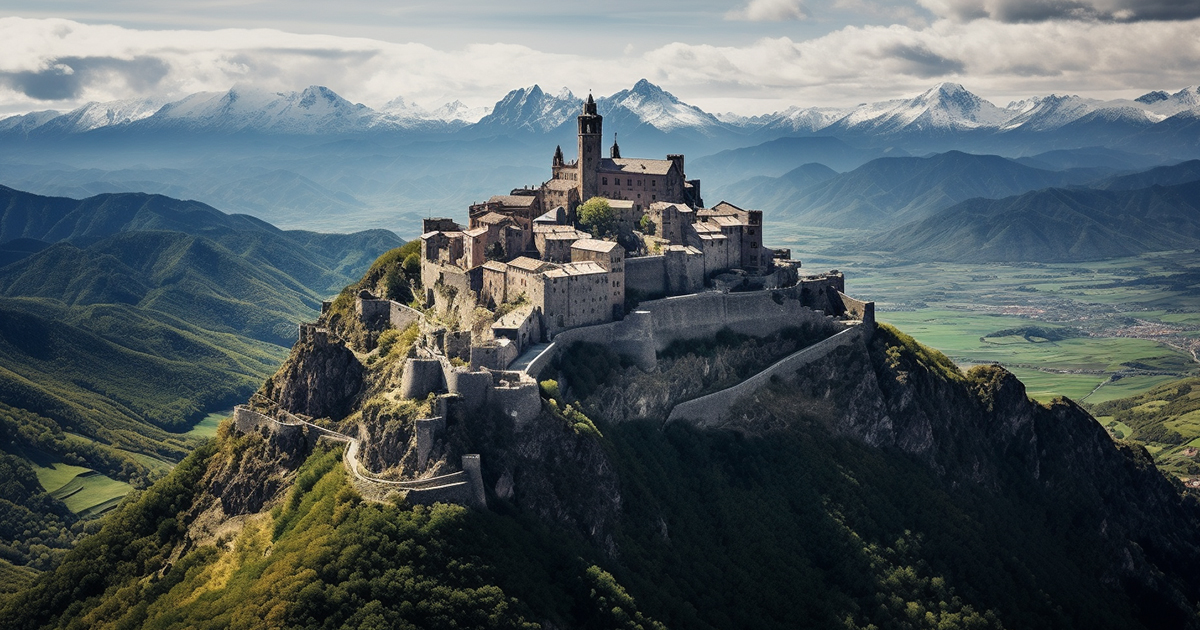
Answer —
(1015, 11)
(67, 77)
(919, 61)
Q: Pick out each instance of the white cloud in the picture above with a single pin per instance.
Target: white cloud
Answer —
(60, 64)
(769, 11)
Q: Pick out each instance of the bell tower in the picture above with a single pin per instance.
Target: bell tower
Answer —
(590, 130)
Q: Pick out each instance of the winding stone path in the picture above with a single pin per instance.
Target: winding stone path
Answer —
(455, 487)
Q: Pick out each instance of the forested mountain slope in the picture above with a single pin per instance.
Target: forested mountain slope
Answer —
(877, 487)
(144, 315)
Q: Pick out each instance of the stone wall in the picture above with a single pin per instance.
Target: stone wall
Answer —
(458, 493)
(708, 411)
(428, 431)
(646, 275)
(471, 466)
(860, 310)
(472, 387)
(379, 314)
(658, 323)
(421, 377)
(517, 396)
(495, 355)
(703, 315)
(246, 420)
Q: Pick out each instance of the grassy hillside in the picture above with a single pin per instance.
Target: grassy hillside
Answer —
(1166, 420)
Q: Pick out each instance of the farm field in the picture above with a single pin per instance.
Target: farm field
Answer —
(1121, 327)
(83, 490)
(207, 428)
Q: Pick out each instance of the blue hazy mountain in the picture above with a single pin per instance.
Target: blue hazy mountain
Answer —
(1054, 225)
(886, 192)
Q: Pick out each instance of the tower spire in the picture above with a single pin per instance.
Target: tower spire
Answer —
(616, 149)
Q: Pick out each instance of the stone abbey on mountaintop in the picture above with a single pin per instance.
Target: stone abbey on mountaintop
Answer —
(503, 298)
(527, 248)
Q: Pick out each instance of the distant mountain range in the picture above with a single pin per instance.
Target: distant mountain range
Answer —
(1123, 216)
(946, 108)
(887, 192)
(313, 159)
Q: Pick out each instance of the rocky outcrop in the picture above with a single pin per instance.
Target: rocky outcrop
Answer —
(319, 380)
(979, 429)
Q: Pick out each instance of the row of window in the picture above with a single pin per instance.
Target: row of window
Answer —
(628, 182)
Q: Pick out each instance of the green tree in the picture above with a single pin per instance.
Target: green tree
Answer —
(597, 217)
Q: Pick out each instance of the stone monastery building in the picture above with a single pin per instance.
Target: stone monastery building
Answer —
(524, 249)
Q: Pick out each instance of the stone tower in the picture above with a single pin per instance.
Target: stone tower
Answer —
(590, 130)
(615, 152)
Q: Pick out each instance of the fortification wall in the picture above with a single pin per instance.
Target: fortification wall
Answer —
(421, 377)
(709, 411)
(759, 313)
(517, 399)
(494, 356)
(658, 323)
(472, 387)
(428, 431)
(458, 493)
(860, 310)
(246, 420)
(471, 466)
(378, 314)
(646, 275)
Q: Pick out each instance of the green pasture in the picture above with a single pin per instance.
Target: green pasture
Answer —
(91, 493)
(1126, 387)
(57, 475)
(207, 428)
(153, 463)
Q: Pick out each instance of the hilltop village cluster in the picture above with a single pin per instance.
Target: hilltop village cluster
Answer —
(525, 247)
(666, 269)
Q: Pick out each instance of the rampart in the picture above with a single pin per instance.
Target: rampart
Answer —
(863, 311)
(464, 487)
(708, 411)
(658, 323)
(421, 377)
(428, 430)
(378, 314)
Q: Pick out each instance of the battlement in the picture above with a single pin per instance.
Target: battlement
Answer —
(314, 334)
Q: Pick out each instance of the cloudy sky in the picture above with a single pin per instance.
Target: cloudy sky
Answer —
(747, 56)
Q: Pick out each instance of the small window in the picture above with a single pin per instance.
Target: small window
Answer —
(604, 180)
(639, 182)
(654, 182)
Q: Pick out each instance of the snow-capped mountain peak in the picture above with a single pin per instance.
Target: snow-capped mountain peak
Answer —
(96, 115)
(458, 110)
(655, 106)
(532, 109)
(1042, 113)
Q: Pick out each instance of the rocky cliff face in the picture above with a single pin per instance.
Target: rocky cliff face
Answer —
(320, 380)
(979, 429)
